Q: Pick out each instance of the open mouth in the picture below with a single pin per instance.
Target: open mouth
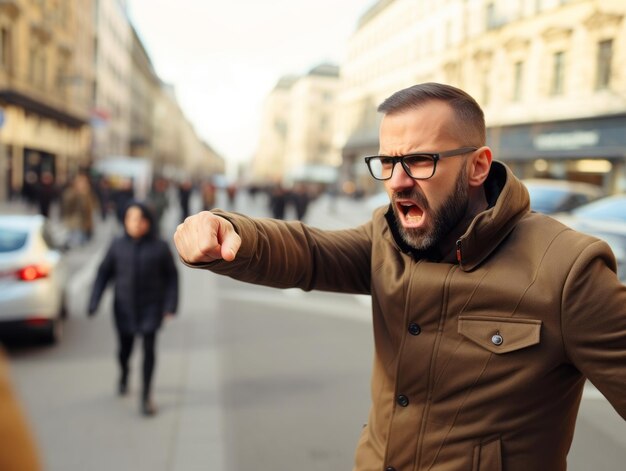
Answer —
(412, 215)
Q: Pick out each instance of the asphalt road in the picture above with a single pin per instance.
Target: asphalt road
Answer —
(248, 378)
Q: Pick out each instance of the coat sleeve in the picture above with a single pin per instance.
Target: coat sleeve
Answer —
(170, 271)
(594, 322)
(106, 271)
(290, 254)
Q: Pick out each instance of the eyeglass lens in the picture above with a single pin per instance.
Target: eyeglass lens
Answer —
(417, 166)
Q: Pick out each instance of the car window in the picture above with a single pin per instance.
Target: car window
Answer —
(612, 209)
(11, 239)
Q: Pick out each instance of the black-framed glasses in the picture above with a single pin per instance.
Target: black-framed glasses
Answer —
(419, 166)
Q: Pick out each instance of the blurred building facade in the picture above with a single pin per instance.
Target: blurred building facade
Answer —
(270, 158)
(77, 85)
(297, 129)
(145, 85)
(45, 67)
(549, 74)
(112, 90)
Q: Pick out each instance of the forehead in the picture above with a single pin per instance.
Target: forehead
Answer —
(430, 127)
(134, 212)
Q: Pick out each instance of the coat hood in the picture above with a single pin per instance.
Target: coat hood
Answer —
(508, 203)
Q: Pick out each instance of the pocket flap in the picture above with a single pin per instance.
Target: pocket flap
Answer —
(500, 334)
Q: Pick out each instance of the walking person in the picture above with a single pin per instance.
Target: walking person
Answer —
(78, 205)
(185, 188)
(47, 192)
(300, 198)
(146, 291)
(488, 318)
(278, 200)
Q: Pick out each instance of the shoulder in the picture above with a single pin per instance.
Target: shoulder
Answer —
(556, 243)
(549, 228)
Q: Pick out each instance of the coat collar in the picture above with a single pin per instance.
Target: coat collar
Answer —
(508, 203)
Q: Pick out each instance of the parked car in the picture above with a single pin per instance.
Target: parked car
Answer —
(553, 196)
(33, 277)
(604, 218)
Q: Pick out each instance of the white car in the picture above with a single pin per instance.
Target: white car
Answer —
(33, 276)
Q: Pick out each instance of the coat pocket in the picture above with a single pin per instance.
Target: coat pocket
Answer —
(500, 334)
(488, 456)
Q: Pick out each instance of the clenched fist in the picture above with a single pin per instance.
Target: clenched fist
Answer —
(205, 237)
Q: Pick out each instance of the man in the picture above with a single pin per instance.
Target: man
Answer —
(487, 318)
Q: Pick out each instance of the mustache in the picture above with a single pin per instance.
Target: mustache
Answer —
(414, 194)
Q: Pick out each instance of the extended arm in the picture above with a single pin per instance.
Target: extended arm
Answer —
(594, 322)
(277, 253)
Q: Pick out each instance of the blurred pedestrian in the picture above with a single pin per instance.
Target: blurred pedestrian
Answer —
(184, 196)
(77, 210)
(122, 195)
(278, 200)
(105, 196)
(158, 201)
(208, 195)
(487, 318)
(300, 198)
(141, 266)
(47, 192)
(231, 195)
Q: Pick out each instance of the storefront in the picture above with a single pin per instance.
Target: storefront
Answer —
(354, 178)
(35, 138)
(589, 150)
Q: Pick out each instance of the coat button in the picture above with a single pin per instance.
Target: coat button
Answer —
(390, 468)
(414, 329)
(402, 400)
(497, 339)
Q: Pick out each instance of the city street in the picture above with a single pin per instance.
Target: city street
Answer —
(248, 378)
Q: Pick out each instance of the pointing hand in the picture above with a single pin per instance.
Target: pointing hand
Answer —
(205, 237)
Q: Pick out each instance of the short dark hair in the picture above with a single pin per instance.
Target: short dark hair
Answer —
(469, 116)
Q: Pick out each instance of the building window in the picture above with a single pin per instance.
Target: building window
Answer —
(603, 67)
(63, 78)
(518, 76)
(499, 14)
(37, 65)
(5, 48)
(558, 73)
(491, 16)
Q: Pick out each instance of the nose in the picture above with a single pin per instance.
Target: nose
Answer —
(400, 180)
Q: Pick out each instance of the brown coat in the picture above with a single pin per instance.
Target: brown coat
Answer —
(479, 364)
(18, 451)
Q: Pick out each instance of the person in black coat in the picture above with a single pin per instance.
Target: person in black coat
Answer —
(146, 291)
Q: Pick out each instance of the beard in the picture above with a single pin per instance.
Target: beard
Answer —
(443, 220)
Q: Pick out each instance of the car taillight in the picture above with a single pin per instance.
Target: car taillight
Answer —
(33, 272)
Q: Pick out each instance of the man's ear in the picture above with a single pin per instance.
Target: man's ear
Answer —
(480, 165)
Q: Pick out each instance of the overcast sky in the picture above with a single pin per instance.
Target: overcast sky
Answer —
(223, 57)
